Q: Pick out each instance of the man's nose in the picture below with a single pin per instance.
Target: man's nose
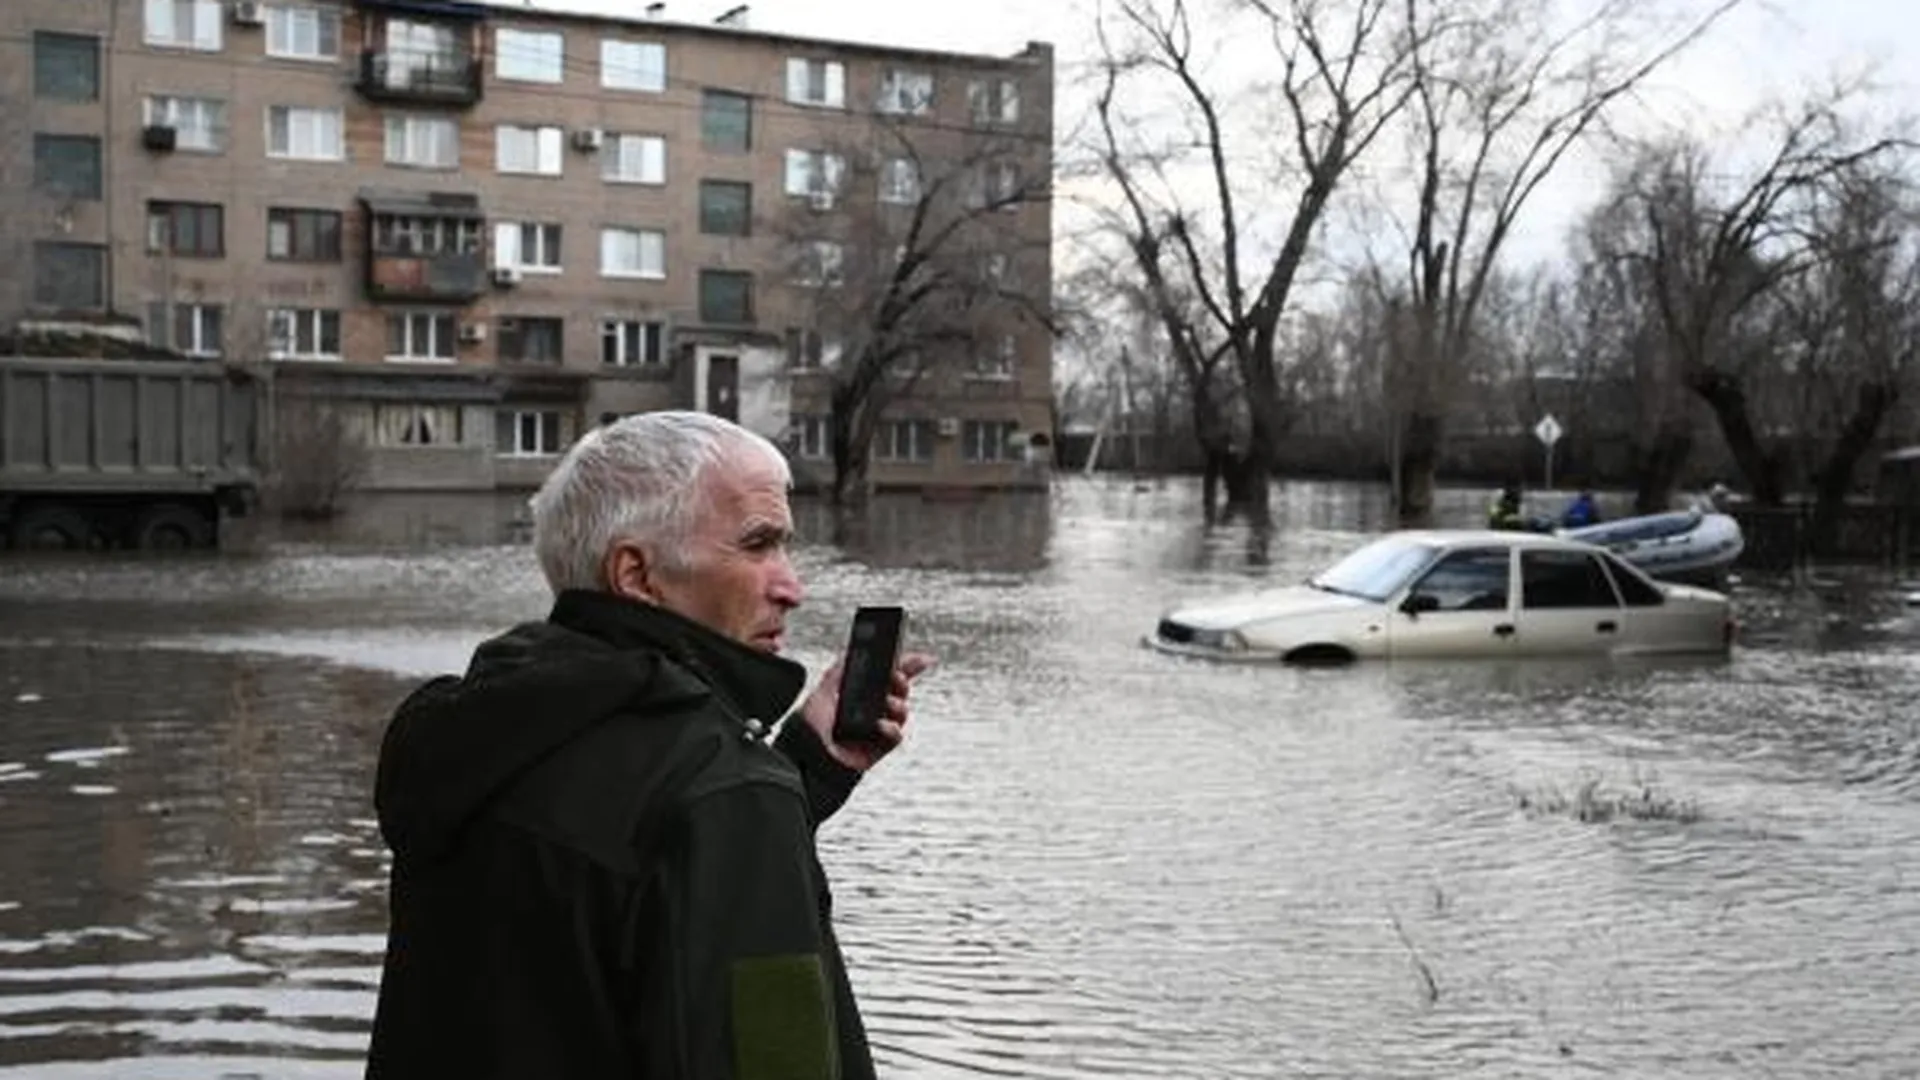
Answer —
(784, 587)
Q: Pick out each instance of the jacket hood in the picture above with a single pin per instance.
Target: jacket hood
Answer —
(458, 742)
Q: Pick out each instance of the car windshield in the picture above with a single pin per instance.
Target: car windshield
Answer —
(1376, 571)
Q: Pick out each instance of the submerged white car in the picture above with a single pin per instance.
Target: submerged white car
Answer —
(1450, 593)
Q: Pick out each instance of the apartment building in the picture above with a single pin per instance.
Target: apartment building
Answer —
(471, 231)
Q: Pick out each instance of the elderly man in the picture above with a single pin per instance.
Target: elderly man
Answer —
(601, 868)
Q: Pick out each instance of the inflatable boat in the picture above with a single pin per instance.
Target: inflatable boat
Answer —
(1693, 545)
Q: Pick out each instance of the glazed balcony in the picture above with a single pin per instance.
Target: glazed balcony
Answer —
(451, 79)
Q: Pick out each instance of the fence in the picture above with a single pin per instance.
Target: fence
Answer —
(1876, 534)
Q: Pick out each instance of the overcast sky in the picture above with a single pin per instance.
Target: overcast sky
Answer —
(1765, 47)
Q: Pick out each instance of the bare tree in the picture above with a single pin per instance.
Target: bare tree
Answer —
(1341, 77)
(904, 248)
(1499, 98)
(1706, 258)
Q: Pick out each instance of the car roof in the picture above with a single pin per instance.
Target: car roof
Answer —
(1459, 538)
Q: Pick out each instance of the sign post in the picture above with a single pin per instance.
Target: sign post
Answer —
(1548, 431)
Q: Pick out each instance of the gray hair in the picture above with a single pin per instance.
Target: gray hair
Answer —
(637, 480)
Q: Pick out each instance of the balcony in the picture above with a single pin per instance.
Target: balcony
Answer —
(425, 247)
(444, 277)
(417, 78)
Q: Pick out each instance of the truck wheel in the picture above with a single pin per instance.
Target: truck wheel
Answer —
(53, 528)
(171, 527)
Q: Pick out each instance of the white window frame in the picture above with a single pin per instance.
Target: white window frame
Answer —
(899, 181)
(287, 24)
(886, 443)
(530, 56)
(615, 238)
(546, 142)
(999, 363)
(410, 133)
(286, 326)
(319, 122)
(434, 418)
(642, 68)
(821, 84)
(810, 437)
(994, 101)
(531, 247)
(905, 92)
(424, 328)
(635, 343)
(206, 134)
(634, 158)
(974, 442)
(814, 173)
(205, 32)
(813, 351)
(193, 318)
(520, 432)
(820, 264)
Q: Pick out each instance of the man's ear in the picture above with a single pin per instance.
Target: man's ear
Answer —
(629, 574)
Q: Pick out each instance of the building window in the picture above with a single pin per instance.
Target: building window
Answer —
(809, 438)
(816, 82)
(726, 297)
(529, 56)
(987, 440)
(303, 134)
(819, 263)
(531, 150)
(905, 93)
(303, 334)
(994, 101)
(303, 32)
(185, 24)
(532, 340)
(303, 235)
(904, 440)
(197, 123)
(417, 425)
(814, 174)
(425, 53)
(900, 181)
(633, 65)
(726, 208)
(633, 343)
(412, 236)
(186, 230)
(192, 329)
(424, 142)
(527, 432)
(69, 277)
(726, 121)
(634, 159)
(997, 270)
(530, 247)
(995, 186)
(810, 350)
(66, 67)
(998, 361)
(421, 336)
(67, 166)
(638, 253)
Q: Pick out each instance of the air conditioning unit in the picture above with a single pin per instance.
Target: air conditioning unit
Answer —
(948, 427)
(161, 138)
(473, 333)
(820, 200)
(507, 276)
(589, 140)
(249, 13)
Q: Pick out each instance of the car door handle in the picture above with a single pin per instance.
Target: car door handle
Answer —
(1607, 627)
(1505, 629)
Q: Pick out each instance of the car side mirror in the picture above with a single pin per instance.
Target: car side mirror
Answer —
(1416, 603)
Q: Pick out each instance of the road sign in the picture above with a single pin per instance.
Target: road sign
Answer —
(1548, 430)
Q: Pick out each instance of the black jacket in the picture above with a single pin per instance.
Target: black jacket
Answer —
(601, 871)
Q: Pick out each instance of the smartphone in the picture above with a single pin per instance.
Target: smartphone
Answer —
(866, 673)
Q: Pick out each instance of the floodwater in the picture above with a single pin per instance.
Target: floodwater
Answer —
(1089, 861)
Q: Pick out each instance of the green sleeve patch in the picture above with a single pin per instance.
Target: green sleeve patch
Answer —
(783, 1020)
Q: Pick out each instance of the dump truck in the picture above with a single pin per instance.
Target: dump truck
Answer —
(135, 453)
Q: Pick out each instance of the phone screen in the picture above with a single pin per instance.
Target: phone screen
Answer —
(866, 672)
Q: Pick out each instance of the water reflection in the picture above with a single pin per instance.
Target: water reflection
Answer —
(1092, 860)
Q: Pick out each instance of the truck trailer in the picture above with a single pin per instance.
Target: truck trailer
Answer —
(126, 453)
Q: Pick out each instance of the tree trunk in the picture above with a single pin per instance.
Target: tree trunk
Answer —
(1834, 481)
(1419, 462)
(849, 437)
(1729, 403)
(1658, 463)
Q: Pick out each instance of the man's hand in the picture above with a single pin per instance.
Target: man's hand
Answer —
(819, 707)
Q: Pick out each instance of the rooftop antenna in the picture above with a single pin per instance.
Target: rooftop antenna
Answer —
(735, 17)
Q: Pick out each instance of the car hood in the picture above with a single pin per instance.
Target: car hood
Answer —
(1293, 601)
